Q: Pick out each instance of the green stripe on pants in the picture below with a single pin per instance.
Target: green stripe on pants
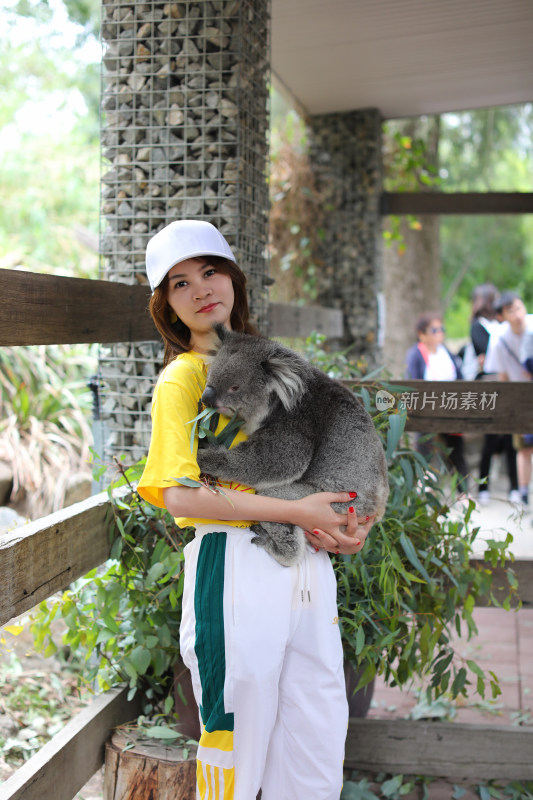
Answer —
(209, 642)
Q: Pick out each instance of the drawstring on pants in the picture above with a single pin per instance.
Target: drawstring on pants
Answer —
(304, 578)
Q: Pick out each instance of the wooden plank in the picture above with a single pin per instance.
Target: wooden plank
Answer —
(456, 203)
(45, 556)
(49, 309)
(287, 319)
(459, 751)
(65, 764)
(460, 406)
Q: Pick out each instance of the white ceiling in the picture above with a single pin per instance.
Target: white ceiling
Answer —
(404, 57)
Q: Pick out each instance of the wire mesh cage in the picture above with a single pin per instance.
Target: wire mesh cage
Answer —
(184, 135)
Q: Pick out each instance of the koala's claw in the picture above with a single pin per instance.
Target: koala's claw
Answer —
(261, 537)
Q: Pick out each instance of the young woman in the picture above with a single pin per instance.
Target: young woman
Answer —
(261, 640)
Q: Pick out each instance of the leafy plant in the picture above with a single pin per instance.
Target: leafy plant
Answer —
(409, 166)
(123, 619)
(365, 787)
(415, 582)
(297, 208)
(45, 429)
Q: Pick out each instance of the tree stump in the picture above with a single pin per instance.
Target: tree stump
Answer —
(148, 772)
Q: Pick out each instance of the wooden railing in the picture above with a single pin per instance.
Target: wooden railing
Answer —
(45, 556)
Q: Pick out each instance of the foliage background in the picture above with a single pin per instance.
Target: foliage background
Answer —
(49, 136)
(49, 168)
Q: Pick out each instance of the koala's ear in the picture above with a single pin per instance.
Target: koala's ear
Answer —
(287, 378)
(221, 333)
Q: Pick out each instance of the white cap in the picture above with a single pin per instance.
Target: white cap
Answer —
(183, 239)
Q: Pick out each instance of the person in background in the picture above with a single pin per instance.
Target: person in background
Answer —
(526, 357)
(484, 323)
(431, 360)
(505, 359)
(486, 326)
(526, 352)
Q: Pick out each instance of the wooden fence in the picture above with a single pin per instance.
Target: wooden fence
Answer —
(45, 556)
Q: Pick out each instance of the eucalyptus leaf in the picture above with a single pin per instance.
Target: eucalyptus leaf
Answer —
(359, 640)
(162, 732)
(140, 658)
(191, 482)
(410, 552)
(394, 433)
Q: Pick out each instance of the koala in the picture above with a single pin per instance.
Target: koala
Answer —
(306, 433)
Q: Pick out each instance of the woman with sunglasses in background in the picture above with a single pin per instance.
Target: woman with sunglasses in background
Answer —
(430, 360)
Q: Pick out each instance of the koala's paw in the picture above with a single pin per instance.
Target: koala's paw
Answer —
(261, 536)
(211, 460)
(285, 543)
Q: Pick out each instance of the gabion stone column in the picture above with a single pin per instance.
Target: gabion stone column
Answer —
(346, 154)
(185, 135)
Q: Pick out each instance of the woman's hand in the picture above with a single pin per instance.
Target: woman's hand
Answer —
(333, 531)
(348, 542)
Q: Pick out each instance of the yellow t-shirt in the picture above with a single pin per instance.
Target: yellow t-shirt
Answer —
(174, 405)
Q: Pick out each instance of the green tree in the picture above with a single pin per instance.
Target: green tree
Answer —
(485, 150)
(49, 140)
(479, 151)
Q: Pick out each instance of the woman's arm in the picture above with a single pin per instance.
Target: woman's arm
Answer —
(313, 512)
(416, 365)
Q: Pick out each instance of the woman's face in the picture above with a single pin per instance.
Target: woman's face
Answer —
(200, 295)
(433, 335)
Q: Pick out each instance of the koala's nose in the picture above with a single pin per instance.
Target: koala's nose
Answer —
(209, 396)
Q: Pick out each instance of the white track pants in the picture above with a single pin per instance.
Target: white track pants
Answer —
(263, 646)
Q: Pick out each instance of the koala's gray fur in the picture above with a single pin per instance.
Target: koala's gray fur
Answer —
(306, 433)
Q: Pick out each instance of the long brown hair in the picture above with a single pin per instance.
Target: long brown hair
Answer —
(484, 300)
(176, 335)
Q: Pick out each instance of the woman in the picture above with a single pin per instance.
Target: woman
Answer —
(265, 655)
(430, 360)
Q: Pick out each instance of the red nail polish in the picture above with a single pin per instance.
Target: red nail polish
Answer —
(317, 549)
(367, 518)
(317, 533)
(352, 494)
(350, 510)
(337, 552)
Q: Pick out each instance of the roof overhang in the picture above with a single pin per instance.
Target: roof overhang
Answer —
(404, 57)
